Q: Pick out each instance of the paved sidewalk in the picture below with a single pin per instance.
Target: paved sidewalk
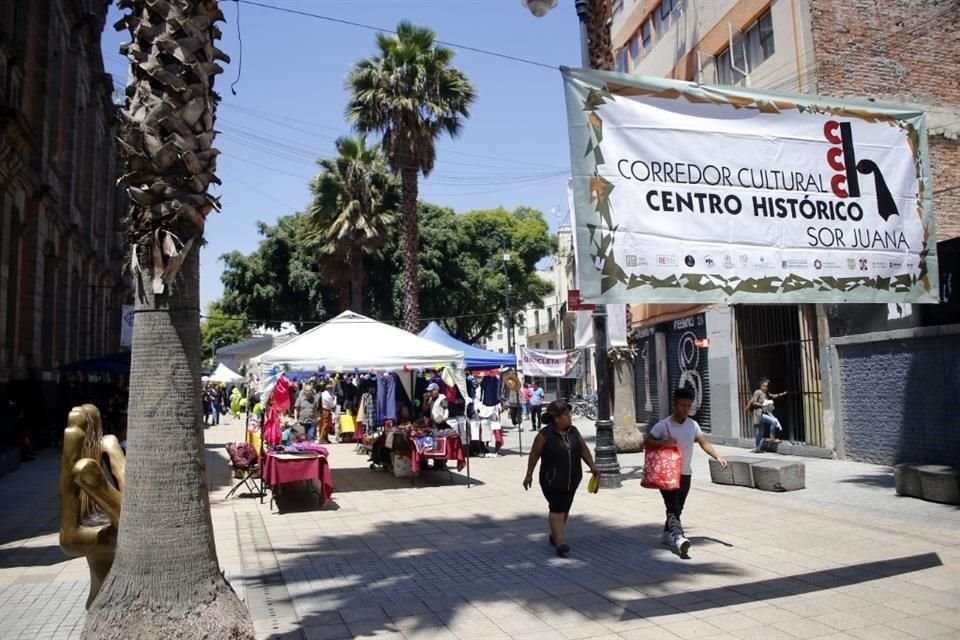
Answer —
(843, 559)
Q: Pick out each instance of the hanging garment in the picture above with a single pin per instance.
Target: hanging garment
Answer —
(390, 401)
(490, 388)
(280, 398)
(381, 399)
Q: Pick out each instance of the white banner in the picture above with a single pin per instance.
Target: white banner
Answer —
(691, 193)
(616, 327)
(541, 363)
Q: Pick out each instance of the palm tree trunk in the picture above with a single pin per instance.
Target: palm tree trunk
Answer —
(356, 280)
(343, 294)
(165, 581)
(598, 35)
(411, 249)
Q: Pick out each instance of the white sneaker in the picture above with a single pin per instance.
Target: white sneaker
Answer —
(667, 539)
(683, 545)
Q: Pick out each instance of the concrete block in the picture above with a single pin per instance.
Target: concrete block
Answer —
(741, 468)
(779, 475)
(718, 474)
(907, 479)
(940, 483)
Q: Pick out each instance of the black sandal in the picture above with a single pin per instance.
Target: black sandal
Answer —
(563, 551)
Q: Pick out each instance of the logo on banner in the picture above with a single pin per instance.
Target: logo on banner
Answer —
(846, 182)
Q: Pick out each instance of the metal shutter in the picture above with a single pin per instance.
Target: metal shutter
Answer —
(687, 363)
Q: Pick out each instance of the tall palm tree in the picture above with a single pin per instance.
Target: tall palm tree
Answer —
(354, 198)
(165, 581)
(411, 95)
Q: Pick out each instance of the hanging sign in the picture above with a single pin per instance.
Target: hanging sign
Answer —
(126, 326)
(574, 303)
(689, 193)
(552, 364)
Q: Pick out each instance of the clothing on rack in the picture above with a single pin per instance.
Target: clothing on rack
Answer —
(387, 396)
(490, 388)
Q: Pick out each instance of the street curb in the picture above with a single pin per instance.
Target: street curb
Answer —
(783, 448)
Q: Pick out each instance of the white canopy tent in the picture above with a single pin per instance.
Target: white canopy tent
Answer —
(352, 341)
(224, 374)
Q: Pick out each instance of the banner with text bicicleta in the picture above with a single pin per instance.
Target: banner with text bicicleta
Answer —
(541, 363)
(684, 192)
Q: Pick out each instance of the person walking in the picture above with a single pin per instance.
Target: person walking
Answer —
(536, 402)
(525, 398)
(761, 404)
(306, 412)
(679, 430)
(559, 448)
(328, 406)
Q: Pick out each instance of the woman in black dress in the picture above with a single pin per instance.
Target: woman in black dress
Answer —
(560, 448)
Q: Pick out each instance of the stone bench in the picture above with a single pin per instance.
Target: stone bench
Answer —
(739, 471)
(779, 475)
(933, 482)
(760, 473)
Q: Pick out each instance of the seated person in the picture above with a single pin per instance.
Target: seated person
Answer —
(295, 433)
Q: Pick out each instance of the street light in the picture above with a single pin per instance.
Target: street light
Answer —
(606, 448)
(506, 291)
(539, 8)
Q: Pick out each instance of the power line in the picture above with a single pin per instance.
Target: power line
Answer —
(368, 27)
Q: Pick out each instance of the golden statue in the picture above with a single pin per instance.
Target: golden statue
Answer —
(91, 488)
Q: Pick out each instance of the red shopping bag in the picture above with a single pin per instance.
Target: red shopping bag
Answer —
(662, 467)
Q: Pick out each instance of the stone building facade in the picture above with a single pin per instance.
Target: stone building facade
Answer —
(61, 245)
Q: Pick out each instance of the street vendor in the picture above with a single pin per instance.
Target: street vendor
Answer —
(439, 414)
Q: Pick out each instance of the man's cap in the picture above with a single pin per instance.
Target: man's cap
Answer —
(433, 386)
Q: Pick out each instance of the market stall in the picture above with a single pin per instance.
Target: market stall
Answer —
(484, 386)
(384, 363)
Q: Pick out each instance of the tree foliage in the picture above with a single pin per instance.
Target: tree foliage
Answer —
(410, 94)
(354, 200)
(463, 280)
(279, 282)
(219, 329)
(460, 265)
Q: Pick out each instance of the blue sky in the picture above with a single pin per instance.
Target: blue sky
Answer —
(290, 100)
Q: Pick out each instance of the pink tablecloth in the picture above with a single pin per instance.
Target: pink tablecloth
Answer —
(453, 451)
(287, 468)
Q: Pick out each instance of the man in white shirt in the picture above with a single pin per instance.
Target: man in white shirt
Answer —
(680, 430)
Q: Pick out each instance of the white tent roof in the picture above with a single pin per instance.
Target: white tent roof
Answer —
(223, 373)
(352, 341)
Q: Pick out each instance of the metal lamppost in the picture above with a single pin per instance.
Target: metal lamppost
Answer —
(606, 449)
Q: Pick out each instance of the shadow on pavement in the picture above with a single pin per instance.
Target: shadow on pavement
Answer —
(883, 479)
(426, 577)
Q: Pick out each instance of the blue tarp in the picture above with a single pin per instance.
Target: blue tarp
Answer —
(474, 357)
(116, 364)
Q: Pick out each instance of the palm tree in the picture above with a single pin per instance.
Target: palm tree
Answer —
(354, 198)
(165, 581)
(411, 95)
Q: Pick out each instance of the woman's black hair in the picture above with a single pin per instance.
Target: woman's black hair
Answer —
(684, 393)
(554, 410)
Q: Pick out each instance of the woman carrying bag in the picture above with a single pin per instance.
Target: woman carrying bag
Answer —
(559, 448)
(677, 431)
